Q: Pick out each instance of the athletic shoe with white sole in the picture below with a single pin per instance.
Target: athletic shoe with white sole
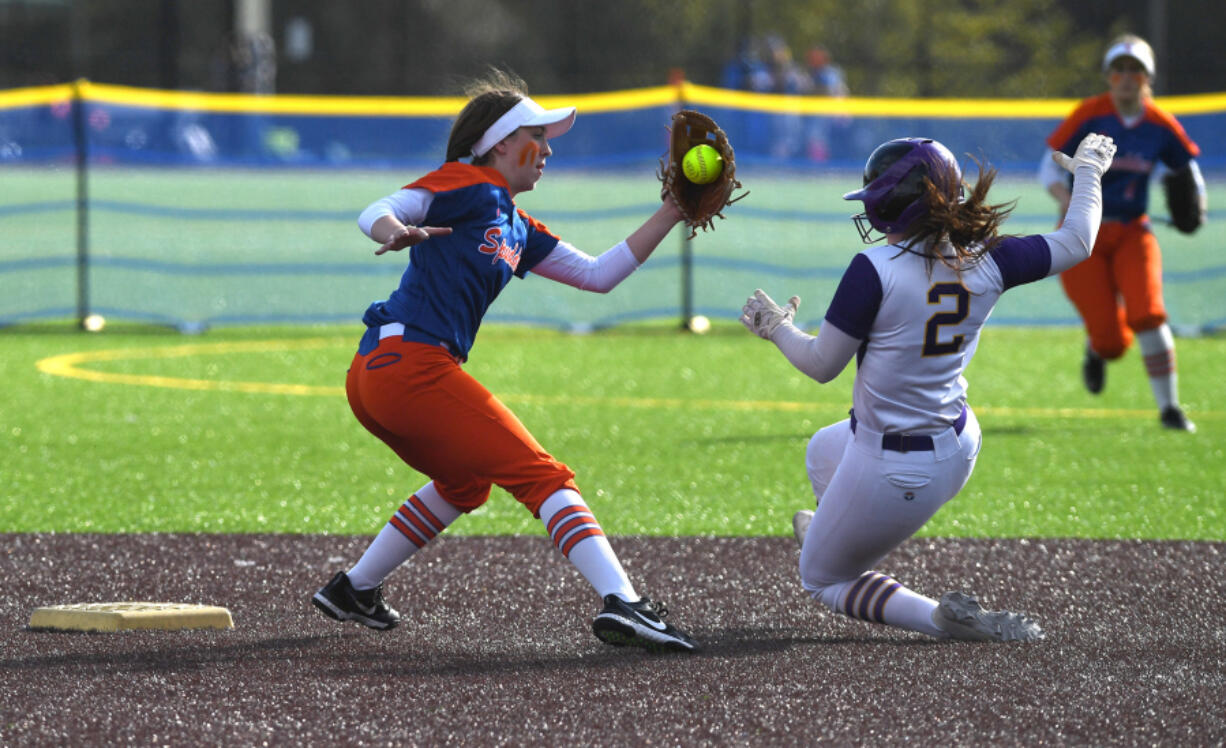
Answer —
(639, 624)
(962, 617)
(800, 524)
(1172, 417)
(339, 601)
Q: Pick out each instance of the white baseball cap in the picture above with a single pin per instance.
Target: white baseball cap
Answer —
(527, 113)
(1138, 49)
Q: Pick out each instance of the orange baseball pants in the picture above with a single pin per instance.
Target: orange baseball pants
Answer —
(1118, 290)
(447, 426)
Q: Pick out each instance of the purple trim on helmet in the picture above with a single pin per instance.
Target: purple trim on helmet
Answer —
(925, 151)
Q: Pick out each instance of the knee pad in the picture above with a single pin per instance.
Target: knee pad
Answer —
(463, 496)
(1110, 351)
(1147, 322)
(822, 456)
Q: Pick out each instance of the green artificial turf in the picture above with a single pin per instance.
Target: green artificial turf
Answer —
(246, 429)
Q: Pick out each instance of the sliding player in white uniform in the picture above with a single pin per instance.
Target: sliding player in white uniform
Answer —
(911, 311)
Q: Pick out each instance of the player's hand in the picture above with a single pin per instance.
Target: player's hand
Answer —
(671, 209)
(1094, 150)
(762, 316)
(410, 236)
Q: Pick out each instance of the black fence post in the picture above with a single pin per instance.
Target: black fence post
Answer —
(677, 80)
(80, 129)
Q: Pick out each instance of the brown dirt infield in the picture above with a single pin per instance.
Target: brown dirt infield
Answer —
(496, 647)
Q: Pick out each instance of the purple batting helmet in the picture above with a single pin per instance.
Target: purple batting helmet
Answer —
(893, 192)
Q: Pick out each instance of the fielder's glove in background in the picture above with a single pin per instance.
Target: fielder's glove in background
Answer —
(699, 203)
(1185, 201)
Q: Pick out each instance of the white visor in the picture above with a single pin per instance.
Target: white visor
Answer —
(1139, 51)
(527, 113)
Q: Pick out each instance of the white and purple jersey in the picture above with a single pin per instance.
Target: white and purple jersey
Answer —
(919, 326)
(913, 325)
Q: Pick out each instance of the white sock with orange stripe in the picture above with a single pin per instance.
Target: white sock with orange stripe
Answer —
(578, 536)
(414, 524)
(1158, 351)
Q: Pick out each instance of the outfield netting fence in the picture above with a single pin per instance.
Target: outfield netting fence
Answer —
(195, 210)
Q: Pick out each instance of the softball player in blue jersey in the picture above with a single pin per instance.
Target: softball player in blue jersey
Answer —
(406, 385)
(910, 311)
(1118, 291)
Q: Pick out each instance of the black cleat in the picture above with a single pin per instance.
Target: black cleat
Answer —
(1094, 372)
(639, 625)
(1172, 417)
(339, 601)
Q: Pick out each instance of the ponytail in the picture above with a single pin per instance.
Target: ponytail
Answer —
(970, 226)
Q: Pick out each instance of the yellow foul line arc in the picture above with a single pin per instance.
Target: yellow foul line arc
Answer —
(71, 365)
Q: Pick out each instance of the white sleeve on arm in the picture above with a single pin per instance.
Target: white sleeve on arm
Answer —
(1050, 172)
(407, 206)
(821, 357)
(1200, 181)
(566, 264)
(1074, 240)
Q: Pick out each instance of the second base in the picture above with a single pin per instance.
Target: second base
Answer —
(130, 615)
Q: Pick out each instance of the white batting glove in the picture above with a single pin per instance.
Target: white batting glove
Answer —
(762, 316)
(1094, 150)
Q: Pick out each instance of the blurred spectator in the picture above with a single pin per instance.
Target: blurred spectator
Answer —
(766, 65)
(787, 77)
(747, 71)
(824, 79)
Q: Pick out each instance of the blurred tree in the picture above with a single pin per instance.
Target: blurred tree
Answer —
(944, 48)
(953, 48)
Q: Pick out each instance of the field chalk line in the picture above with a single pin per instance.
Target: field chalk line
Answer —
(71, 365)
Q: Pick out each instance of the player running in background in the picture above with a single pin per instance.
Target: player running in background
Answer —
(1118, 291)
(910, 311)
(406, 384)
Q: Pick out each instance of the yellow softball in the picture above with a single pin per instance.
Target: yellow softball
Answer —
(702, 164)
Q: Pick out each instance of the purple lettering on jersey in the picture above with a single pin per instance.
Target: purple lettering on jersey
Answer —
(1022, 259)
(857, 299)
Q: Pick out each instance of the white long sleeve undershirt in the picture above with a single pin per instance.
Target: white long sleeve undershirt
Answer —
(1050, 172)
(821, 357)
(1074, 240)
(565, 264)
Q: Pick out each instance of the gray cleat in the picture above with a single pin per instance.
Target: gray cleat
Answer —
(963, 618)
(800, 525)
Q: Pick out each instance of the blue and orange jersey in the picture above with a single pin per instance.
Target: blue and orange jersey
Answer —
(1156, 137)
(452, 280)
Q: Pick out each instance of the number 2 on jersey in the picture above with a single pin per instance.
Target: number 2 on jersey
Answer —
(933, 346)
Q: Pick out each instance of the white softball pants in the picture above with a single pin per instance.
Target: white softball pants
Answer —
(870, 500)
